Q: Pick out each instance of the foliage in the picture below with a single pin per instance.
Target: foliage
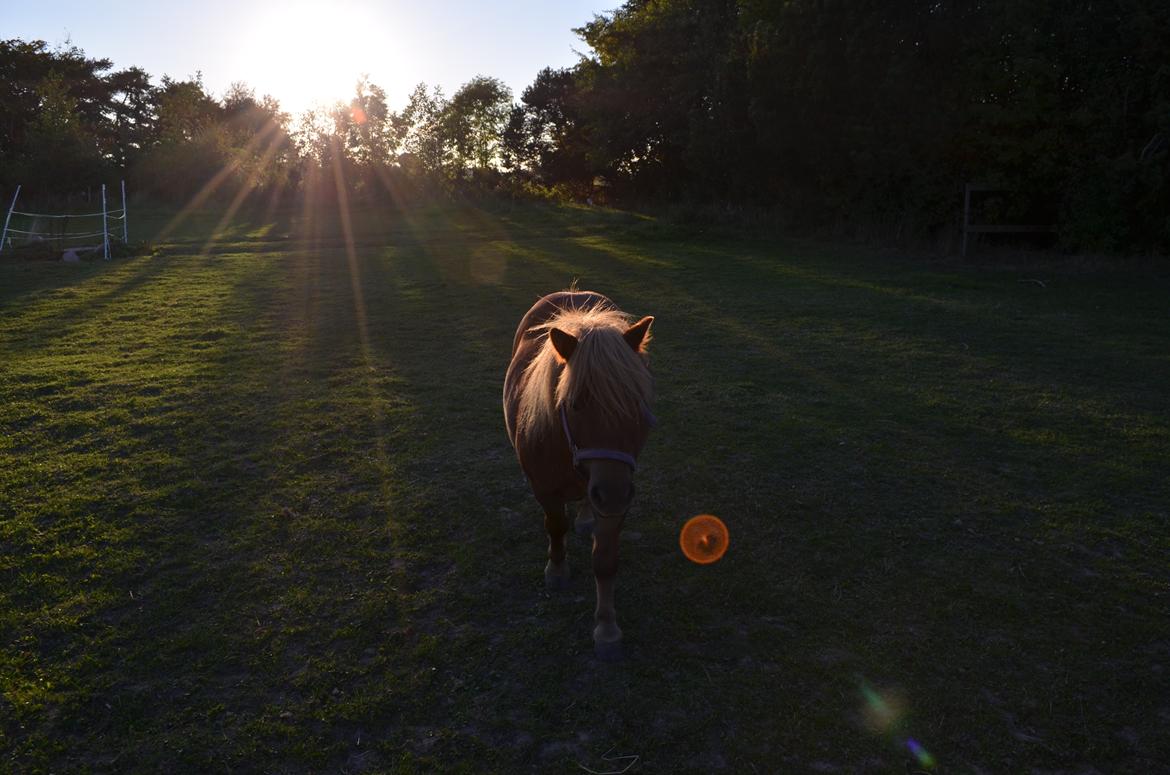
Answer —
(861, 119)
(236, 148)
(554, 146)
(132, 100)
(52, 138)
(68, 125)
(867, 114)
(474, 122)
(56, 146)
(421, 128)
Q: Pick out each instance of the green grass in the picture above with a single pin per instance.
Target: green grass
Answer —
(258, 511)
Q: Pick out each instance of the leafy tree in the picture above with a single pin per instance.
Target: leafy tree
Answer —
(516, 152)
(370, 136)
(23, 68)
(474, 122)
(185, 110)
(420, 132)
(257, 134)
(192, 146)
(132, 115)
(555, 136)
(34, 79)
(59, 155)
(863, 117)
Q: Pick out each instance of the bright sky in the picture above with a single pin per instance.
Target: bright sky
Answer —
(304, 52)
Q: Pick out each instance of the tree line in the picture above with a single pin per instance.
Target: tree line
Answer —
(71, 122)
(863, 117)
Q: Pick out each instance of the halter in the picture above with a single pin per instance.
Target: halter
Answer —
(600, 454)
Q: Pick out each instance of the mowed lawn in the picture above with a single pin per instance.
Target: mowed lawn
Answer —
(258, 512)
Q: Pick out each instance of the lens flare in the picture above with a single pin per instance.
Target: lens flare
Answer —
(884, 714)
(704, 539)
(921, 754)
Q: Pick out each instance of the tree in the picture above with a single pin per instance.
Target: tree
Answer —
(185, 109)
(555, 136)
(59, 155)
(869, 116)
(420, 132)
(133, 114)
(651, 91)
(516, 150)
(369, 132)
(475, 120)
(256, 135)
(192, 146)
(66, 83)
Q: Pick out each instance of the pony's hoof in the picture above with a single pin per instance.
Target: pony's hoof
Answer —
(557, 582)
(608, 651)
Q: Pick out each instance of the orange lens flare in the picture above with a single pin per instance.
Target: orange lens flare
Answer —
(704, 539)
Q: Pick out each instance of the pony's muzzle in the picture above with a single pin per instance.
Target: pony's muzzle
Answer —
(611, 488)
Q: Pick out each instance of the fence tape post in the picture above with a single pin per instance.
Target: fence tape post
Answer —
(105, 227)
(125, 217)
(11, 207)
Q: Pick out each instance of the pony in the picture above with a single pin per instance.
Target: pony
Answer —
(577, 399)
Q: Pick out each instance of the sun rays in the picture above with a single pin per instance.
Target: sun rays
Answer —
(273, 135)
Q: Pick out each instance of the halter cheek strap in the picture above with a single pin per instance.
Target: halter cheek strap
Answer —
(595, 454)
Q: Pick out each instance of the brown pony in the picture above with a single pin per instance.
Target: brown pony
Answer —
(577, 406)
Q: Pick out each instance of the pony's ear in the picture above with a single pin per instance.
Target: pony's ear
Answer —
(636, 334)
(563, 343)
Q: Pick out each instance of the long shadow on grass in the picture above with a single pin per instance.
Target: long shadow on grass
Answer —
(544, 645)
(268, 580)
(508, 649)
(67, 310)
(335, 624)
(833, 345)
(908, 525)
(291, 587)
(341, 562)
(26, 278)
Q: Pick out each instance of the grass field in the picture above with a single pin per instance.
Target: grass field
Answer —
(258, 511)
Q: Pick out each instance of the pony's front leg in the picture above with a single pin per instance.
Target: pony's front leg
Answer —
(556, 573)
(607, 636)
(583, 524)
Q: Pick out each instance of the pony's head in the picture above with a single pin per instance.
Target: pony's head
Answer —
(599, 392)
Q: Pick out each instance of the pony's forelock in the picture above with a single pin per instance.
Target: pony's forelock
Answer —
(603, 365)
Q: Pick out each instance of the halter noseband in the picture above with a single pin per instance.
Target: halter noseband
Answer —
(599, 454)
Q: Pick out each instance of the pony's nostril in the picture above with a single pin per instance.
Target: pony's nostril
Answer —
(595, 494)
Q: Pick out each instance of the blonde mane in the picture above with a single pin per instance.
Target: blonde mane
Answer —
(603, 366)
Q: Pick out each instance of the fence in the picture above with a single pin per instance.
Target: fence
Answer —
(56, 227)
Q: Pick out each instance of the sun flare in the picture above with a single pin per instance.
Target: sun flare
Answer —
(306, 54)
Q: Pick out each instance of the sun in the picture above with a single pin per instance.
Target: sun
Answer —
(307, 54)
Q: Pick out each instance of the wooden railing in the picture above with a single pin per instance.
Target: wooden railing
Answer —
(994, 228)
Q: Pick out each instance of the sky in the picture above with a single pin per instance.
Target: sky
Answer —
(313, 52)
